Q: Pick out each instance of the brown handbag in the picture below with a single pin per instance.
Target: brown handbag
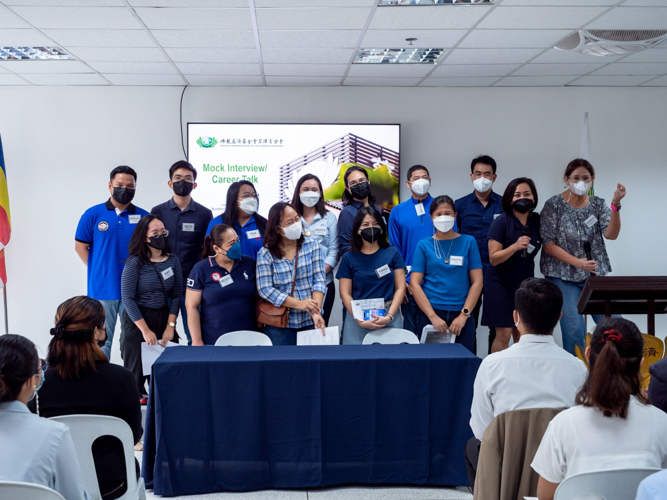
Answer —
(268, 314)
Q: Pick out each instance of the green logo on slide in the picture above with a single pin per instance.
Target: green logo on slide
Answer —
(207, 142)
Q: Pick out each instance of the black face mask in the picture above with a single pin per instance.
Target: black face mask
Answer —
(523, 205)
(183, 188)
(157, 242)
(371, 234)
(100, 343)
(123, 195)
(361, 191)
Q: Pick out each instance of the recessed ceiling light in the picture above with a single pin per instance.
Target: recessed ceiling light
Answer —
(435, 2)
(398, 56)
(33, 54)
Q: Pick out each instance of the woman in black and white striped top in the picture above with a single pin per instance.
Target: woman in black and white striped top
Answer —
(152, 277)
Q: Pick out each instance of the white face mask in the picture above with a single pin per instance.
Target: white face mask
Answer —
(248, 205)
(482, 185)
(293, 232)
(420, 187)
(580, 188)
(309, 198)
(444, 223)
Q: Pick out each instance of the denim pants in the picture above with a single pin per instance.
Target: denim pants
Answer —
(410, 312)
(467, 335)
(284, 336)
(112, 310)
(354, 334)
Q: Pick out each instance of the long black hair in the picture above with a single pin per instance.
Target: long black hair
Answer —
(138, 246)
(356, 242)
(296, 200)
(347, 197)
(272, 237)
(231, 214)
(18, 362)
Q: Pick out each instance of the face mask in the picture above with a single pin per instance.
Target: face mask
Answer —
(370, 234)
(523, 205)
(100, 343)
(234, 251)
(580, 188)
(420, 187)
(41, 383)
(248, 205)
(309, 198)
(157, 242)
(123, 195)
(482, 185)
(361, 191)
(183, 188)
(292, 232)
(444, 223)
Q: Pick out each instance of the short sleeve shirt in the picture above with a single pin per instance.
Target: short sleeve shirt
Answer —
(506, 230)
(250, 235)
(365, 271)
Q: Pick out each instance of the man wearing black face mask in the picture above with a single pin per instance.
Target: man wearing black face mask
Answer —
(186, 220)
(101, 241)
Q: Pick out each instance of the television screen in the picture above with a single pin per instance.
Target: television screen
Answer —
(274, 156)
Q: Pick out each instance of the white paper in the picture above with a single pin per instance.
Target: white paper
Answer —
(150, 353)
(359, 306)
(315, 337)
(431, 336)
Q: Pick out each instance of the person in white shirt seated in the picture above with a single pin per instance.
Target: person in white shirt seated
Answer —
(32, 449)
(613, 425)
(533, 373)
(653, 487)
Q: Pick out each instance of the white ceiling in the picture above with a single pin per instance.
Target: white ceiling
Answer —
(313, 42)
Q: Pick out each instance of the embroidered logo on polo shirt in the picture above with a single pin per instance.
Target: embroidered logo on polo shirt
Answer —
(103, 226)
(245, 274)
(215, 277)
(191, 282)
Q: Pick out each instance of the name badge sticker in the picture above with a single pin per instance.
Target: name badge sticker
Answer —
(419, 207)
(225, 280)
(167, 273)
(495, 216)
(254, 234)
(320, 231)
(456, 260)
(382, 271)
(590, 222)
(134, 219)
(531, 247)
(189, 227)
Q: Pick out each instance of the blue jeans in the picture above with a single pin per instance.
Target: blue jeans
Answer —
(354, 334)
(284, 336)
(112, 310)
(467, 335)
(410, 312)
(184, 318)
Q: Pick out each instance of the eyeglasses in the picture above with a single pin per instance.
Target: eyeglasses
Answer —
(249, 195)
(585, 178)
(486, 175)
(351, 184)
(44, 365)
(187, 178)
(155, 234)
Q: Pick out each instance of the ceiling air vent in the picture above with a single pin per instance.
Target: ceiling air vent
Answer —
(612, 42)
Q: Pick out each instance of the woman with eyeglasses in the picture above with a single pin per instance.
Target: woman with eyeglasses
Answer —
(220, 294)
(32, 449)
(574, 226)
(80, 380)
(241, 214)
(151, 288)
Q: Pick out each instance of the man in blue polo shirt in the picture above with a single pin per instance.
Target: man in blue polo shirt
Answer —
(474, 215)
(186, 220)
(101, 241)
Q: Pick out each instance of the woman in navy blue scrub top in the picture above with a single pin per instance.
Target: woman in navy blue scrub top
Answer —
(220, 294)
(371, 270)
(515, 230)
(241, 214)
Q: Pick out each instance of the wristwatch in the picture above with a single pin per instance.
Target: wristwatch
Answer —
(172, 324)
(465, 311)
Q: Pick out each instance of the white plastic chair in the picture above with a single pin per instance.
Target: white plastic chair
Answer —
(436, 338)
(243, 338)
(85, 429)
(612, 484)
(390, 336)
(13, 490)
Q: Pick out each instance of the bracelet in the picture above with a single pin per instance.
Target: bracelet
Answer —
(615, 208)
(390, 315)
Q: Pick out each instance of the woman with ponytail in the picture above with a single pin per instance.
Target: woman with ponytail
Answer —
(613, 426)
(220, 292)
(32, 449)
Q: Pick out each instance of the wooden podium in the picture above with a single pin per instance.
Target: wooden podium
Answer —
(625, 295)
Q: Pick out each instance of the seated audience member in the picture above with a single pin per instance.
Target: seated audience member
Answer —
(533, 373)
(32, 449)
(653, 487)
(657, 389)
(613, 426)
(80, 380)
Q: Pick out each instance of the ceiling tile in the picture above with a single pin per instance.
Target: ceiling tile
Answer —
(23, 38)
(189, 3)
(205, 38)
(632, 18)
(109, 54)
(540, 17)
(10, 79)
(490, 56)
(34, 67)
(633, 69)
(278, 39)
(309, 19)
(658, 82)
(223, 81)
(381, 82)
(649, 55)
(534, 81)
(67, 3)
(611, 81)
(145, 79)
(222, 56)
(460, 70)
(514, 39)
(305, 69)
(390, 70)
(556, 69)
(100, 38)
(10, 20)
(219, 69)
(395, 39)
(306, 56)
(91, 79)
(459, 82)
(141, 68)
(198, 19)
(79, 17)
(314, 3)
(574, 3)
(422, 18)
(302, 81)
(569, 56)
(644, 3)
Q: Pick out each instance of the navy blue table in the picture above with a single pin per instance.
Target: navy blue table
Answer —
(248, 418)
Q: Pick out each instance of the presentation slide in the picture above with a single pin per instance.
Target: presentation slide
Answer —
(274, 156)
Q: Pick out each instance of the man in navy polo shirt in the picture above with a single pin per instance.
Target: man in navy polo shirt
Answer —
(186, 220)
(474, 215)
(101, 241)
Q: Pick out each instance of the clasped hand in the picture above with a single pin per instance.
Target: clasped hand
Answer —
(375, 323)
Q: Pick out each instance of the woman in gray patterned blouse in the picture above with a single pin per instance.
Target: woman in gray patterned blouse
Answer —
(570, 221)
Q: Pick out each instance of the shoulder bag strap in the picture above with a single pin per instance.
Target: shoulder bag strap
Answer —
(159, 277)
(296, 263)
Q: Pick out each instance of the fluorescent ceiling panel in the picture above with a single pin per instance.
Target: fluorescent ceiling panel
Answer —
(302, 81)
(197, 19)
(91, 79)
(305, 69)
(23, 38)
(66, 3)
(145, 79)
(534, 81)
(462, 70)
(205, 38)
(286, 39)
(556, 69)
(307, 56)
(224, 69)
(213, 55)
(425, 17)
(34, 54)
(100, 38)
(122, 54)
(143, 68)
(36, 67)
(9, 79)
(390, 70)
(459, 82)
(309, 19)
(658, 82)
(633, 69)
(314, 3)
(628, 18)
(490, 56)
(79, 17)
(572, 3)
(425, 38)
(611, 81)
(224, 81)
(410, 56)
(649, 55)
(188, 3)
(569, 56)
(10, 20)
(380, 82)
(539, 17)
(513, 39)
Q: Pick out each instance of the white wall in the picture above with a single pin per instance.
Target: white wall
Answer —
(61, 143)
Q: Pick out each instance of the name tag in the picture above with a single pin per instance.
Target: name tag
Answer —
(456, 260)
(590, 222)
(382, 271)
(408, 269)
(254, 234)
(495, 216)
(134, 219)
(167, 273)
(320, 231)
(419, 207)
(225, 280)
(189, 227)
(531, 247)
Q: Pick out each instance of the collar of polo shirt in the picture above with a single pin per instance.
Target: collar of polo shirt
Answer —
(191, 206)
(130, 208)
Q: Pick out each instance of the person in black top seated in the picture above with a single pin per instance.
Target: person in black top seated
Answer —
(80, 380)
(657, 388)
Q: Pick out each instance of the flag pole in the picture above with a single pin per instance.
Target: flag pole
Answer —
(4, 298)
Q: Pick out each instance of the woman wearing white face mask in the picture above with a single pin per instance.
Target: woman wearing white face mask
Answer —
(446, 277)
(285, 248)
(322, 226)
(574, 226)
